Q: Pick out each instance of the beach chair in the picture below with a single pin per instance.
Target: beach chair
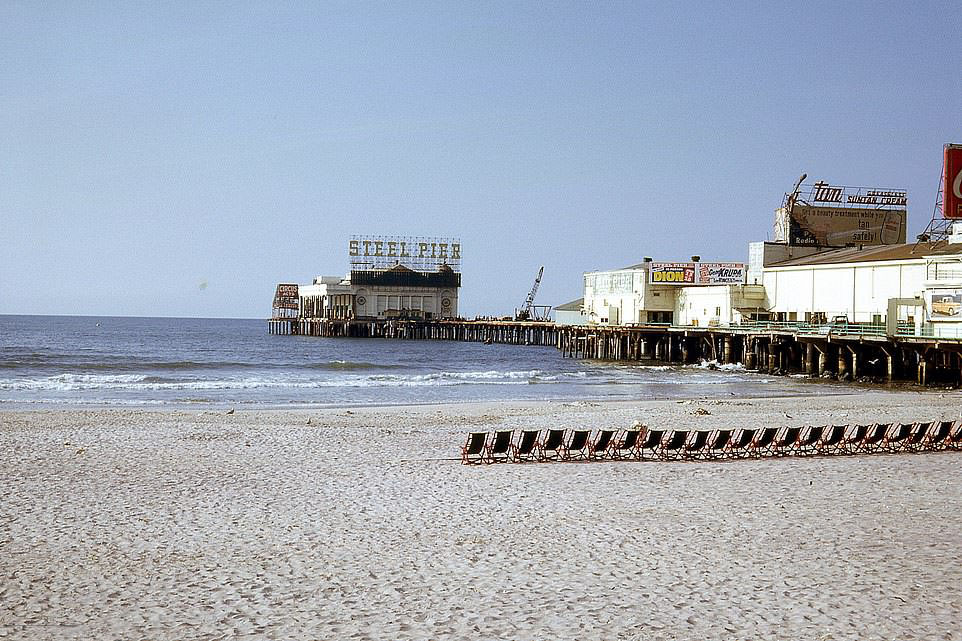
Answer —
(896, 437)
(717, 444)
(472, 453)
(627, 446)
(695, 445)
(808, 443)
(854, 438)
(832, 440)
(499, 450)
(915, 441)
(599, 447)
(954, 441)
(874, 440)
(936, 438)
(550, 449)
(738, 446)
(527, 447)
(763, 442)
(672, 444)
(652, 442)
(787, 441)
(576, 449)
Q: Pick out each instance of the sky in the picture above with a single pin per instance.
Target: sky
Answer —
(181, 159)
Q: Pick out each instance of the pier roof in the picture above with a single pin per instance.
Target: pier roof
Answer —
(573, 306)
(913, 251)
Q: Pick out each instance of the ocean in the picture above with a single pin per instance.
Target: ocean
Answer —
(57, 361)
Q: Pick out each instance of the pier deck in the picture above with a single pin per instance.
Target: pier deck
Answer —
(851, 352)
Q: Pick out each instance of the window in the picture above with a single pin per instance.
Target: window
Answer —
(718, 311)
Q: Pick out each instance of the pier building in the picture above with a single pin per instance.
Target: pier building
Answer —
(689, 293)
(571, 313)
(391, 278)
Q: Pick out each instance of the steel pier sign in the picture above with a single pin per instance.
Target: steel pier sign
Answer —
(414, 252)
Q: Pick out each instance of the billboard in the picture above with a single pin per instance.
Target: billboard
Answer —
(414, 252)
(697, 273)
(672, 273)
(952, 189)
(721, 273)
(945, 305)
(841, 226)
(835, 216)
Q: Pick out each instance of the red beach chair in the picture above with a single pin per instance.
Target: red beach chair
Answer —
(787, 441)
(526, 450)
(473, 450)
(740, 442)
(550, 449)
(855, 438)
(895, 439)
(762, 444)
(695, 446)
(652, 441)
(831, 441)
(600, 446)
(576, 449)
(874, 440)
(717, 444)
(937, 437)
(672, 444)
(627, 446)
(499, 451)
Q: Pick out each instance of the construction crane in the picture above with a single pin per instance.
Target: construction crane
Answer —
(529, 306)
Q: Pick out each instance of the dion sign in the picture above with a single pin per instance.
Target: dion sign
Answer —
(952, 189)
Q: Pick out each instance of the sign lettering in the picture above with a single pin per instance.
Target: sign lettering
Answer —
(420, 254)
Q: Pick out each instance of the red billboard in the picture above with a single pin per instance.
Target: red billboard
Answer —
(952, 189)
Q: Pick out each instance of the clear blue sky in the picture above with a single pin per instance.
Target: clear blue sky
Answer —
(180, 159)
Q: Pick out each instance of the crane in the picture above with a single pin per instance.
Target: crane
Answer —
(525, 312)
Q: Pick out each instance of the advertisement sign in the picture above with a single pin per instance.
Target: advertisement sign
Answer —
(952, 189)
(945, 304)
(672, 273)
(721, 273)
(841, 226)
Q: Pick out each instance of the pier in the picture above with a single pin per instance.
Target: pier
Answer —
(859, 352)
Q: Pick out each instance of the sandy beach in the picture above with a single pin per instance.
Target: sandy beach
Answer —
(360, 524)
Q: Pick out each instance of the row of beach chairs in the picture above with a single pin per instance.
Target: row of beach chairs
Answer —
(643, 444)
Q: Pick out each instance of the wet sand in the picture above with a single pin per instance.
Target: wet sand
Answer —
(358, 524)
